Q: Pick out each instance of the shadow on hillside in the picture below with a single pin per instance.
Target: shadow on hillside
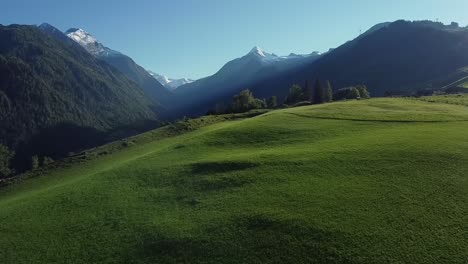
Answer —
(247, 239)
(221, 166)
(65, 139)
(57, 142)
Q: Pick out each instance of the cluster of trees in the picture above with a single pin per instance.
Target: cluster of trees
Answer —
(7, 158)
(318, 95)
(323, 93)
(243, 102)
(353, 92)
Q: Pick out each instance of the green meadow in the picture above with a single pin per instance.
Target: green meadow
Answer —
(370, 181)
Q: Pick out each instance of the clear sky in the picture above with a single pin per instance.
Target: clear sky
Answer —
(194, 38)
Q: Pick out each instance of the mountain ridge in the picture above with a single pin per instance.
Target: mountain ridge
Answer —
(155, 90)
(235, 75)
(56, 87)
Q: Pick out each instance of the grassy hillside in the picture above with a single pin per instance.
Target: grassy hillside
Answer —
(458, 99)
(376, 181)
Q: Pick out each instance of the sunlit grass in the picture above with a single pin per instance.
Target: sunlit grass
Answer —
(373, 181)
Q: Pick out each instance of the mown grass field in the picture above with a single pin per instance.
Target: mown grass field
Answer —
(375, 181)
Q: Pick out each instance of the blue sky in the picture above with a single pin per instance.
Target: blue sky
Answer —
(194, 38)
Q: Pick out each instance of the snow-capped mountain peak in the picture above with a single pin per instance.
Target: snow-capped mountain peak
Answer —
(81, 36)
(89, 42)
(170, 84)
(257, 51)
(265, 57)
(160, 78)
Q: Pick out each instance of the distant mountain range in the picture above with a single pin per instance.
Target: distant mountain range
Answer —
(240, 73)
(169, 83)
(390, 58)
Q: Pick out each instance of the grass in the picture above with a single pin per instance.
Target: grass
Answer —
(374, 181)
(457, 99)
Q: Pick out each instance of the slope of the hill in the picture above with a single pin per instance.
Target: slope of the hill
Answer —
(375, 181)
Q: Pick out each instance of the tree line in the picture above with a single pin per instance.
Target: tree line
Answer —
(298, 95)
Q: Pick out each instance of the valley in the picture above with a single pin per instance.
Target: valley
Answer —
(152, 132)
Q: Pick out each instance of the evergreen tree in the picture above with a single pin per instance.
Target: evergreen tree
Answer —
(318, 97)
(306, 92)
(328, 92)
(5, 158)
(295, 95)
(35, 162)
(272, 102)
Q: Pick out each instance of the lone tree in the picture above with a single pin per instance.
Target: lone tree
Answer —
(318, 96)
(328, 92)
